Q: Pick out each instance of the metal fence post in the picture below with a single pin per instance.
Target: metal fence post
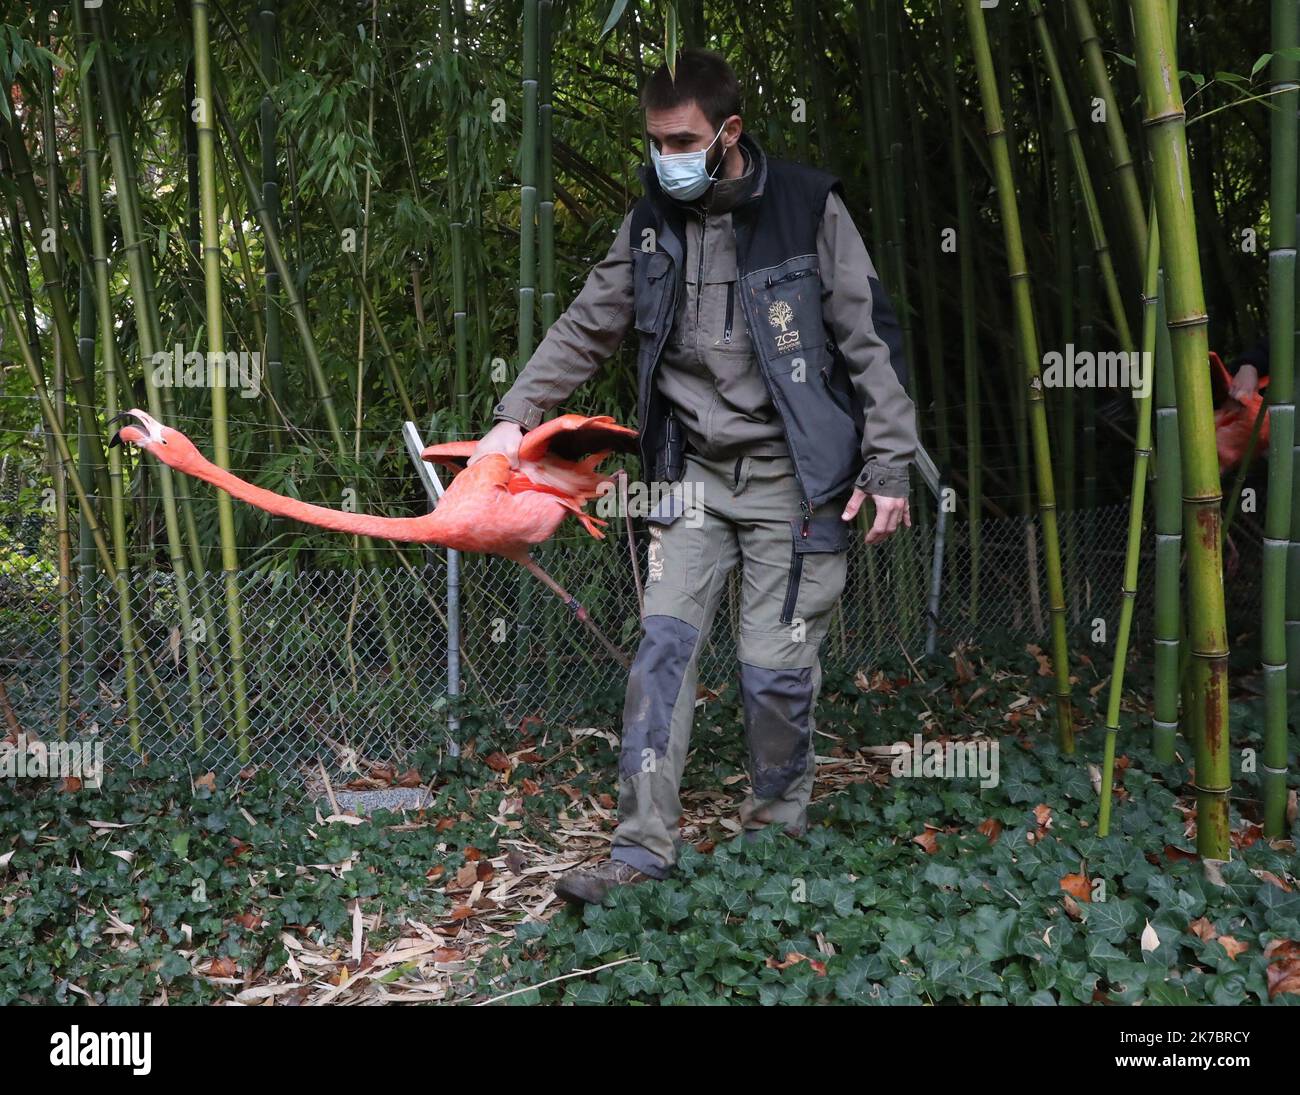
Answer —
(934, 480)
(433, 487)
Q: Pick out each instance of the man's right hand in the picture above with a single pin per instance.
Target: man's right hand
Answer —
(504, 438)
(1245, 383)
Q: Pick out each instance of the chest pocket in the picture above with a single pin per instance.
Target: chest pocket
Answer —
(722, 319)
(650, 284)
(788, 308)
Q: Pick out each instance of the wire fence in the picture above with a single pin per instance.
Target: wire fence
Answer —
(343, 664)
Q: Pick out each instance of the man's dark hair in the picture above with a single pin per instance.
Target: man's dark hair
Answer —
(703, 77)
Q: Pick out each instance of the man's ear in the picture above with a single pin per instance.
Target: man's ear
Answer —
(731, 130)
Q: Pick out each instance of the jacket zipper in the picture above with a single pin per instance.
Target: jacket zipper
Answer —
(805, 506)
(731, 301)
(788, 277)
(699, 277)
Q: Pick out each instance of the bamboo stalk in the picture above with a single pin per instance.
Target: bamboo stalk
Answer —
(1281, 410)
(1063, 229)
(149, 338)
(1207, 630)
(1121, 158)
(217, 345)
(528, 270)
(97, 234)
(269, 131)
(1168, 610)
(460, 392)
(1096, 227)
(545, 171)
(969, 335)
(86, 570)
(62, 519)
(927, 245)
(1137, 507)
(1027, 336)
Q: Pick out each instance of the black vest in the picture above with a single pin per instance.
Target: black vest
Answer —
(780, 290)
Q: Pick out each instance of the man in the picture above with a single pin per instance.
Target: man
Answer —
(770, 386)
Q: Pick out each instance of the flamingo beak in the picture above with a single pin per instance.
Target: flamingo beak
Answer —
(135, 435)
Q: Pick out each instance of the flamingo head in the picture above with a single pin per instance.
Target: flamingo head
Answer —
(170, 446)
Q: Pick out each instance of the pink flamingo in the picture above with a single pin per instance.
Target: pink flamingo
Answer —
(491, 507)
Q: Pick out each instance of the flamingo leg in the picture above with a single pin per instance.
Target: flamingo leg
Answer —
(531, 564)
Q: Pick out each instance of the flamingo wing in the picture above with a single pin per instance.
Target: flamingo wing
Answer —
(497, 508)
(573, 436)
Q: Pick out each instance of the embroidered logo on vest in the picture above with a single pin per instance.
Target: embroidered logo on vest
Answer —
(779, 315)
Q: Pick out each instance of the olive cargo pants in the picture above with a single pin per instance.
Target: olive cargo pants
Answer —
(727, 511)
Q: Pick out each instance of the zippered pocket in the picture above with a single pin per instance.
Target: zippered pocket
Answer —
(792, 276)
(792, 585)
(731, 312)
(649, 301)
(823, 532)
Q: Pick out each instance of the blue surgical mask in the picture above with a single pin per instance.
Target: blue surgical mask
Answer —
(685, 176)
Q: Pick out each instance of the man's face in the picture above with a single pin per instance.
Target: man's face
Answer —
(685, 128)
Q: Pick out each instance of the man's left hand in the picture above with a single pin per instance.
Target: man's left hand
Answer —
(890, 513)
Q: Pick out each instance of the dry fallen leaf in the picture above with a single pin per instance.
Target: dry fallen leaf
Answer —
(1150, 940)
(1077, 886)
(222, 967)
(1283, 972)
(1269, 876)
(793, 958)
(1234, 947)
(928, 840)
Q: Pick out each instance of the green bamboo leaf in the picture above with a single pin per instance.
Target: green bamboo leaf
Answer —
(87, 60)
(670, 41)
(615, 14)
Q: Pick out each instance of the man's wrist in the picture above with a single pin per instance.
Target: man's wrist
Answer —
(885, 480)
(518, 410)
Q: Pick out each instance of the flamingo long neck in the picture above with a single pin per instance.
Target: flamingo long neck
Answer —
(418, 530)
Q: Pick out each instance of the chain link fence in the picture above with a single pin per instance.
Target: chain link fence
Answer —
(350, 663)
